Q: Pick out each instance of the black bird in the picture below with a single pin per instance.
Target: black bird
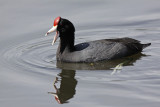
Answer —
(105, 49)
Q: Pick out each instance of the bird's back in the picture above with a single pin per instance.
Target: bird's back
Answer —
(105, 49)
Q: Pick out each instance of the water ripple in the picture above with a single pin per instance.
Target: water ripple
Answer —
(37, 53)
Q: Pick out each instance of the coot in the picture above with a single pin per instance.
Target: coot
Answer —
(105, 49)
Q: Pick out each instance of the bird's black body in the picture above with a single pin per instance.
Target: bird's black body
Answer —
(98, 50)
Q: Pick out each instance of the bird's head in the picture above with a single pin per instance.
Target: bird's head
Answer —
(62, 27)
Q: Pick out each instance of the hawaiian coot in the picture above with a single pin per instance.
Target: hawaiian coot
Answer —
(98, 50)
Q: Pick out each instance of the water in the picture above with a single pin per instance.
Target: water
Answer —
(30, 75)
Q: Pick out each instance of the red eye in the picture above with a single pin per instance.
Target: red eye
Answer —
(56, 21)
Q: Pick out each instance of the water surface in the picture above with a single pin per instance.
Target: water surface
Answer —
(31, 76)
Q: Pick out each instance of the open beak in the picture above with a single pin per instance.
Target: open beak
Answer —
(53, 29)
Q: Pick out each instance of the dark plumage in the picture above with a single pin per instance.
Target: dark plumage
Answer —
(98, 50)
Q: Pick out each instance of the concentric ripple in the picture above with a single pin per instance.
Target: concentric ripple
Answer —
(37, 53)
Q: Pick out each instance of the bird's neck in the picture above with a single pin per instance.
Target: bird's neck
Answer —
(67, 41)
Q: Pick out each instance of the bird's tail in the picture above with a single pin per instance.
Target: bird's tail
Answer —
(145, 45)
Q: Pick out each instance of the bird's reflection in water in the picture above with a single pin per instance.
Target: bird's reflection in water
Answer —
(67, 86)
(67, 79)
